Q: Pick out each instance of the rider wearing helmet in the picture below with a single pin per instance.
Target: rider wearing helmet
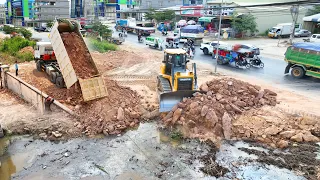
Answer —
(139, 35)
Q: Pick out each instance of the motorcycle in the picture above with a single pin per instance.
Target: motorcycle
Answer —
(140, 40)
(242, 62)
(190, 53)
(164, 33)
(256, 62)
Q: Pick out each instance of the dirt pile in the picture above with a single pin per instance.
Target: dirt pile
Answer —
(276, 128)
(27, 49)
(210, 115)
(110, 115)
(79, 55)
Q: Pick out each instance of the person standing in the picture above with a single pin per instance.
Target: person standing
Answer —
(16, 67)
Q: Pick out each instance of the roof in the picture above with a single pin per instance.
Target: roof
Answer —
(308, 46)
(43, 43)
(175, 51)
(313, 18)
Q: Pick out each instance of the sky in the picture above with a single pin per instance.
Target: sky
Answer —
(2, 1)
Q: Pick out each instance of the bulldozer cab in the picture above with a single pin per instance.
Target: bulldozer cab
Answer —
(175, 59)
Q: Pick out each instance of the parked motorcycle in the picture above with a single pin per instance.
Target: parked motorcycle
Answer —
(256, 62)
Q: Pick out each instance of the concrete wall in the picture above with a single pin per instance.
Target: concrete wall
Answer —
(30, 94)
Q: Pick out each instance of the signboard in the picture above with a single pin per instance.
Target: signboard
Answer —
(194, 11)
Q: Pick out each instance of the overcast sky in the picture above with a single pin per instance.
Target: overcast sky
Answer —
(2, 1)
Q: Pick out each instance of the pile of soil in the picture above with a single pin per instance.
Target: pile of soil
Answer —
(112, 114)
(210, 115)
(27, 49)
(79, 55)
(272, 126)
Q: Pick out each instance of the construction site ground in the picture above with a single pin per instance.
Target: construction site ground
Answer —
(146, 150)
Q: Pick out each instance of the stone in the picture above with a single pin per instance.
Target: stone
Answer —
(211, 115)
(204, 110)
(308, 121)
(218, 130)
(282, 144)
(176, 115)
(236, 108)
(308, 137)
(184, 99)
(193, 105)
(110, 128)
(56, 134)
(43, 136)
(120, 114)
(298, 137)
(260, 94)
(209, 93)
(219, 96)
(204, 87)
(226, 125)
(1, 132)
(67, 154)
(230, 83)
(181, 105)
(169, 115)
(123, 104)
(264, 136)
(202, 99)
(247, 133)
(288, 134)
(240, 103)
(253, 91)
(134, 115)
(191, 124)
(273, 130)
(269, 92)
(174, 108)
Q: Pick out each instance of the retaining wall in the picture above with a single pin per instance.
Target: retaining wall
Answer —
(30, 94)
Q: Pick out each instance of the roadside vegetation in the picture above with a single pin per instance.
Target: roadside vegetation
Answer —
(12, 46)
(23, 31)
(101, 46)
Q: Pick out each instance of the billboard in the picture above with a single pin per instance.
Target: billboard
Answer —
(192, 11)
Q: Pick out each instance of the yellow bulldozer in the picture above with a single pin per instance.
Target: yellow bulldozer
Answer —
(175, 80)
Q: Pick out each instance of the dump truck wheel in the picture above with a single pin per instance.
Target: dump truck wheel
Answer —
(298, 72)
(38, 64)
(59, 82)
(53, 77)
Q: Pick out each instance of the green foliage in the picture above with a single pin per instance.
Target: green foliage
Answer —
(25, 33)
(103, 30)
(244, 23)
(8, 29)
(314, 10)
(160, 16)
(26, 56)
(176, 135)
(101, 46)
(13, 45)
(50, 24)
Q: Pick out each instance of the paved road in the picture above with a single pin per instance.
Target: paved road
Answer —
(272, 73)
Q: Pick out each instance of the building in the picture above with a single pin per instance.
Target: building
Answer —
(2, 14)
(19, 12)
(121, 8)
(312, 23)
(48, 10)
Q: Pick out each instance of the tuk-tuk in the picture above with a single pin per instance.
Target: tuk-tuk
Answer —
(154, 42)
(172, 42)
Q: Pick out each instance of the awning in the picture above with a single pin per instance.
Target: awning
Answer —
(313, 18)
(205, 19)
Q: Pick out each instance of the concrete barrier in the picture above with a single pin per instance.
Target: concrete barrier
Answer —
(31, 94)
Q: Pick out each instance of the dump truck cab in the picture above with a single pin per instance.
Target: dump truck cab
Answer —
(44, 51)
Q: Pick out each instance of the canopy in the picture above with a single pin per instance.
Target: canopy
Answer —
(313, 18)
(205, 19)
(191, 22)
(308, 46)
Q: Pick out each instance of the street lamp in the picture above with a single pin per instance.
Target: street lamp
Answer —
(217, 51)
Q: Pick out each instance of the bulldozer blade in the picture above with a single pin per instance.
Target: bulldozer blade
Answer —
(168, 100)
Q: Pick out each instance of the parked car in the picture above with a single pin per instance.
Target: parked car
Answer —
(302, 33)
(40, 29)
(315, 38)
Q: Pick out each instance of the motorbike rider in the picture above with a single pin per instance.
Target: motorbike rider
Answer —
(139, 36)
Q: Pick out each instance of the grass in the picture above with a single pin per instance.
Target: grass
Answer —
(101, 46)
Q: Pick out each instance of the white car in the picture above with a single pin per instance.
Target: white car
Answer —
(315, 38)
(209, 47)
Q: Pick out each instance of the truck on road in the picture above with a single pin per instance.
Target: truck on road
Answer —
(303, 59)
(282, 30)
(130, 25)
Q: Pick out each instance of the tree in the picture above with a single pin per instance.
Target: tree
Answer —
(150, 14)
(166, 15)
(50, 24)
(314, 10)
(244, 23)
(25, 33)
(101, 29)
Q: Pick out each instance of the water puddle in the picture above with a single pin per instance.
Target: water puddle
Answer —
(10, 164)
(164, 138)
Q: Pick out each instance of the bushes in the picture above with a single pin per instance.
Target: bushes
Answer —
(101, 46)
(25, 32)
(25, 56)
(13, 45)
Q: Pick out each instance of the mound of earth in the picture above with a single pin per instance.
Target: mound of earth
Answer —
(27, 49)
(210, 115)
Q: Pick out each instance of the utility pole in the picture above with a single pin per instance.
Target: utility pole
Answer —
(294, 13)
(219, 31)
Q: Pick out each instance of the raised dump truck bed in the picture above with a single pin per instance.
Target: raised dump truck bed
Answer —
(75, 60)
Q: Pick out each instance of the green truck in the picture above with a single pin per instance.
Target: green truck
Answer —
(303, 60)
